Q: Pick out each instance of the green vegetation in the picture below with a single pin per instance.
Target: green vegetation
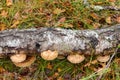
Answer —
(71, 14)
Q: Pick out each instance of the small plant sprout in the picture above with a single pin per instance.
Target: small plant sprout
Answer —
(18, 57)
(104, 58)
(49, 55)
(76, 58)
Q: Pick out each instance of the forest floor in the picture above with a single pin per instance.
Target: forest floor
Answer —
(70, 14)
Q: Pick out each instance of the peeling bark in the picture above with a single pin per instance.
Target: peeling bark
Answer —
(65, 41)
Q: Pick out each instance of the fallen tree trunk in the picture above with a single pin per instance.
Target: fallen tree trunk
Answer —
(65, 41)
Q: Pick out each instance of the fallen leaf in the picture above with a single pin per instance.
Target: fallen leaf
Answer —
(67, 25)
(89, 21)
(24, 16)
(9, 2)
(96, 25)
(61, 20)
(15, 23)
(98, 3)
(50, 78)
(91, 62)
(112, 4)
(112, 0)
(94, 15)
(59, 69)
(49, 66)
(17, 16)
(108, 20)
(99, 67)
(58, 11)
(56, 74)
(118, 19)
(2, 69)
(47, 24)
(4, 14)
(60, 78)
(2, 27)
(117, 61)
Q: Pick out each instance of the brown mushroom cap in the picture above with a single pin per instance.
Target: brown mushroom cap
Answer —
(76, 58)
(18, 57)
(103, 58)
(49, 55)
(27, 62)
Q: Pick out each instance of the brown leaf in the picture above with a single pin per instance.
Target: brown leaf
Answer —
(49, 66)
(96, 25)
(60, 78)
(91, 62)
(89, 21)
(112, 0)
(100, 67)
(108, 20)
(98, 3)
(15, 23)
(118, 19)
(117, 61)
(2, 69)
(2, 27)
(56, 74)
(61, 20)
(58, 11)
(59, 69)
(94, 15)
(17, 16)
(4, 14)
(66, 25)
(9, 2)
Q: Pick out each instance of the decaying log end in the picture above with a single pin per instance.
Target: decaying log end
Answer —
(64, 41)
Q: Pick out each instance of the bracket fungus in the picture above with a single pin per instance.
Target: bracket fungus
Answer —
(27, 62)
(22, 60)
(76, 58)
(49, 55)
(18, 57)
(104, 58)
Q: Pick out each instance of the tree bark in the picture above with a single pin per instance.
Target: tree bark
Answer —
(65, 41)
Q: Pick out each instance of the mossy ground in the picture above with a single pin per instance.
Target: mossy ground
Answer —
(70, 14)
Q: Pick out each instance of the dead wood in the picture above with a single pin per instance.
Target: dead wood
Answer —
(65, 41)
(113, 8)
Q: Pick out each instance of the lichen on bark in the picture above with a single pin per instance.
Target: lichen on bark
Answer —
(64, 41)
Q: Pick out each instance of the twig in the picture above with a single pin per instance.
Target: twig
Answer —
(105, 8)
(108, 64)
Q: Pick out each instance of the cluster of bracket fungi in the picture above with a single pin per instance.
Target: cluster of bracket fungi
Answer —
(21, 59)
